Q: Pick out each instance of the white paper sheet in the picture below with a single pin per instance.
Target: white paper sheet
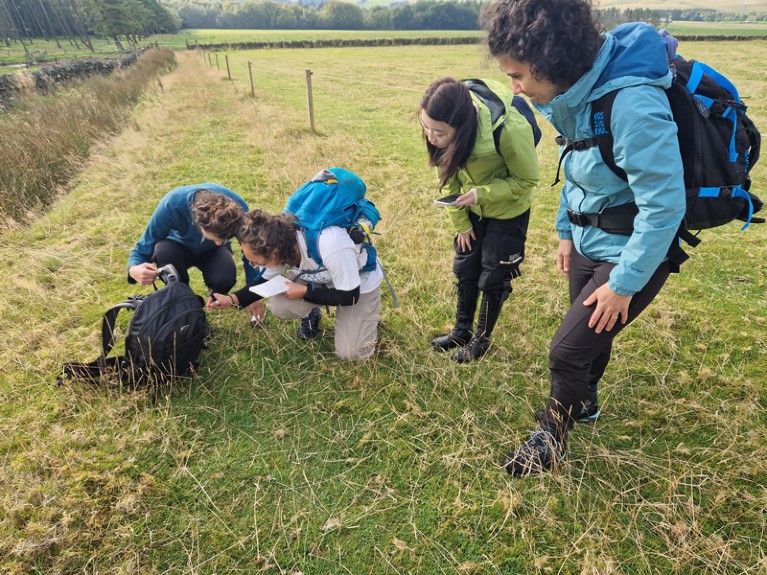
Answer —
(271, 287)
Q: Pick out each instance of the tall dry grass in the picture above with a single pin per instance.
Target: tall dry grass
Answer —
(47, 136)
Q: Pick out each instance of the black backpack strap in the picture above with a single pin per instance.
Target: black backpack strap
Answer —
(601, 118)
(521, 105)
(489, 98)
(108, 324)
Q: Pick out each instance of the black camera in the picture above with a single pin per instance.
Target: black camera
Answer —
(167, 273)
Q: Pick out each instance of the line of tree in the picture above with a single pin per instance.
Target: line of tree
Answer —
(398, 15)
(79, 20)
(333, 14)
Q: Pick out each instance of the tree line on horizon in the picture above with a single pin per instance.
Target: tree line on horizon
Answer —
(77, 21)
(80, 20)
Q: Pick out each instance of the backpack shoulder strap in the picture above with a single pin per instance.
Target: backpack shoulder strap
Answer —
(521, 105)
(110, 318)
(601, 118)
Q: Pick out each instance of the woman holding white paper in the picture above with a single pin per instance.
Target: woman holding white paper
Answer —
(490, 164)
(274, 242)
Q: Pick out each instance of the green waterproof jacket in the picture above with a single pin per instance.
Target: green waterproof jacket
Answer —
(504, 178)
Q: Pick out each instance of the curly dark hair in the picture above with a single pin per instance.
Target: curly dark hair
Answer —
(558, 39)
(270, 235)
(448, 100)
(216, 213)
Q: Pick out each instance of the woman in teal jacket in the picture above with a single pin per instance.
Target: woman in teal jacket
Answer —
(192, 227)
(494, 182)
(554, 52)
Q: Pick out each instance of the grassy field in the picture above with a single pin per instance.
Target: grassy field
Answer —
(278, 458)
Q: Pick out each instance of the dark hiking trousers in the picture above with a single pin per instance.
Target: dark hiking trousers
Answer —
(494, 258)
(217, 265)
(578, 356)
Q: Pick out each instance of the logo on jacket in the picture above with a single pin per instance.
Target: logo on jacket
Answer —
(600, 129)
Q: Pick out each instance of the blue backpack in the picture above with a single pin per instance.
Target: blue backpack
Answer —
(335, 197)
(719, 145)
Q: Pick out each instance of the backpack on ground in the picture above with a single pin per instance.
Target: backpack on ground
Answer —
(335, 197)
(719, 145)
(498, 110)
(165, 336)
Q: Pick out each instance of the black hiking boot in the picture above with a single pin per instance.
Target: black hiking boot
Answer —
(456, 338)
(589, 412)
(476, 348)
(466, 305)
(310, 325)
(538, 454)
(489, 310)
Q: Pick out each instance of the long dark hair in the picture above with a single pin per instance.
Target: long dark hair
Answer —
(448, 100)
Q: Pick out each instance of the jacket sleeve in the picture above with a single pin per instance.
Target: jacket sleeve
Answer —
(158, 228)
(517, 148)
(459, 217)
(646, 147)
(563, 225)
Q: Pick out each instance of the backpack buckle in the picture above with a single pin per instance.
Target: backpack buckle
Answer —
(578, 218)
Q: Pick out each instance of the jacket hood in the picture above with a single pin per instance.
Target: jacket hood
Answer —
(634, 54)
(631, 55)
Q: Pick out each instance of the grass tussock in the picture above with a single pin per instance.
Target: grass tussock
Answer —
(46, 138)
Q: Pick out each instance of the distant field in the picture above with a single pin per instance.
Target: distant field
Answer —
(234, 36)
(735, 6)
(718, 28)
(48, 51)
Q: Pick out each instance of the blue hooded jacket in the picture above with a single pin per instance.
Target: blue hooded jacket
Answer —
(633, 61)
(172, 220)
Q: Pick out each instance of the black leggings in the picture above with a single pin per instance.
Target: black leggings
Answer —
(578, 356)
(217, 265)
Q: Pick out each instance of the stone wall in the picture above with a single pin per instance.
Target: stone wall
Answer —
(15, 86)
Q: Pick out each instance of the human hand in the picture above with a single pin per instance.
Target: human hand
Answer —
(144, 274)
(467, 199)
(295, 290)
(464, 240)
(564, 251)
(257, 312)
(221, 301)
(610, 308)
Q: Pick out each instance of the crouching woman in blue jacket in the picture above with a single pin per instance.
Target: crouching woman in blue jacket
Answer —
(192, 227)
(554, 52)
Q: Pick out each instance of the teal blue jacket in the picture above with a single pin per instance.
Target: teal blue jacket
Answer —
(172, 220)
(633, 61)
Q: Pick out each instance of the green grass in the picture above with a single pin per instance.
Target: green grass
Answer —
(718, 28)
(278, 458)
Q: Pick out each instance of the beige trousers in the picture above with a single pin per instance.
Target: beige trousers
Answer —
(356, 325)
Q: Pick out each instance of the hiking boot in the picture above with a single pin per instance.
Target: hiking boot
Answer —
(589, 413)
(310, 325)
(537, 455)
(476, 348)
(456, 338)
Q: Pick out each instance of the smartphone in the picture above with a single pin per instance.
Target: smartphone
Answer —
(447, 200)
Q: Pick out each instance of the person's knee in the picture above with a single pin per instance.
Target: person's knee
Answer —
(280, 308)
(356, 353)
(221, 285)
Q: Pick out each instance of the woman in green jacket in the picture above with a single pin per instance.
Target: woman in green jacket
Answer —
(493, 168)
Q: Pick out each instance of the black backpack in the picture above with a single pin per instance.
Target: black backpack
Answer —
(497, 109)
(719, 145)
(166, 335)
